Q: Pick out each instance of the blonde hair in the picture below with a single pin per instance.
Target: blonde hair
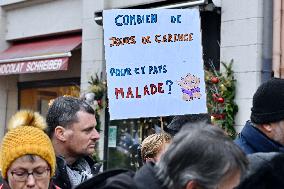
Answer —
(153, 144)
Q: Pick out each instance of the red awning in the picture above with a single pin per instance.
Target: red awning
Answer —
(38, 55)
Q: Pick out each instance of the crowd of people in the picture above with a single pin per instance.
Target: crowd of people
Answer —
(191, 153)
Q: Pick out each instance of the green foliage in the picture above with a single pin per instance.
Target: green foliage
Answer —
(222, 111)
(98, 88)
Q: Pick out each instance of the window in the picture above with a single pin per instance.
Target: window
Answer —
(36, 95)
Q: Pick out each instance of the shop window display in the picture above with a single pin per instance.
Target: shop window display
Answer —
(128, 135)
(37, 99)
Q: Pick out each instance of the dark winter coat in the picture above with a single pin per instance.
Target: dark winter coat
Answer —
(266, 171)
(115, 179)
(252, 140)
(124, 179)
(145, 177)
(4, 185)
(61, 177)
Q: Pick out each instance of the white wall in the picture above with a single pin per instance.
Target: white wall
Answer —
(3, 43)
(126, 3)
(8, 100)
(241, 40)
(42, 19)
(9, 97)
(8, 84)
(21, 19)
(92, 53)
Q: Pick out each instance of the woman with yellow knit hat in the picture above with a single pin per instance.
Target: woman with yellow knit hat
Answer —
(27, 158)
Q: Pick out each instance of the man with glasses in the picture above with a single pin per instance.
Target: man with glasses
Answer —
(27, 155)
(71, 127)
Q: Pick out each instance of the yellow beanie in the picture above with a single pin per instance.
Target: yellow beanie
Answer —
(26, 136)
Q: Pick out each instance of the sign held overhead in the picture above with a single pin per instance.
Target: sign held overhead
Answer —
(154, 63)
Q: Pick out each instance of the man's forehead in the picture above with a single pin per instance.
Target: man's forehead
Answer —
(84, 113)
(84, 119)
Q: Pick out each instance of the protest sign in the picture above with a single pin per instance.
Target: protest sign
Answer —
(154, 62)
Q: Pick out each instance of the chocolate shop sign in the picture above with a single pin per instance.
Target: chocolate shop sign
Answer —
(33, 66)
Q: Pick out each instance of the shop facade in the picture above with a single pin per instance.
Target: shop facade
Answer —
(237, 30)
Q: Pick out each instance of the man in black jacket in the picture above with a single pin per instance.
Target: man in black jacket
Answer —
(71, 127)
(265, 171)
(264, 132)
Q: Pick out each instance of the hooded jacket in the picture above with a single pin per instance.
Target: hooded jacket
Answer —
(125, 179)
(252, 140)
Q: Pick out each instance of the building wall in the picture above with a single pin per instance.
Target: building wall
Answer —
(3, 43)
(21, 19)
(29, 20)
(8, 84)
(92, 53)
(8, 100)
(242, 41)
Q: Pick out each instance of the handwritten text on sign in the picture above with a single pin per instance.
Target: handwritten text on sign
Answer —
(154, 63)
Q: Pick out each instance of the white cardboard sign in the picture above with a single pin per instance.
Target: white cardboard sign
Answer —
(154, 62)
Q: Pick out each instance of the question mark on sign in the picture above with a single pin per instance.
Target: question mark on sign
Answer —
(169, 83)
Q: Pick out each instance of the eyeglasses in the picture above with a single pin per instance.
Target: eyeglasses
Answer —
(22, 175)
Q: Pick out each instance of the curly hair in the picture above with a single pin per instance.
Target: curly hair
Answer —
(153, 144)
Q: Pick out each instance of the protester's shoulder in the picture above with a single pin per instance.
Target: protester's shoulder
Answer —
(146, 177)
(245, 142)
(55, 187)
(265, 171)
(116, 179)
(2, 182)
(94, 165)
(145, 171)
(60, 161)
(245, 146)
(122, 181)
(61, 178)
(4, 186)
(264, 156)
(271, 160)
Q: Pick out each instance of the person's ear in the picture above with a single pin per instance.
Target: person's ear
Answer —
(60, 133)
(267, 128)
(191, 185)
